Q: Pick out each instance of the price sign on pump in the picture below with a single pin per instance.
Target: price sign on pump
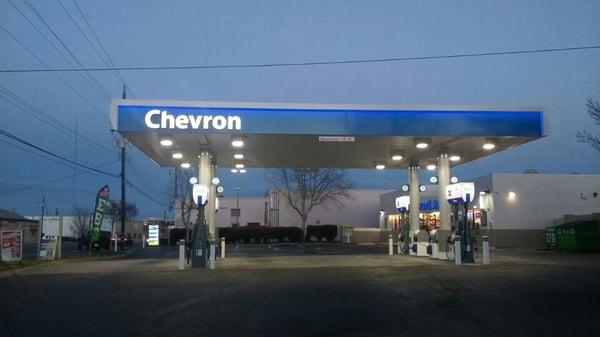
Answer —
(460, 192)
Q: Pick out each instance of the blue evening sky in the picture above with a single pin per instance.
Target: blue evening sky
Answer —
(155, 33)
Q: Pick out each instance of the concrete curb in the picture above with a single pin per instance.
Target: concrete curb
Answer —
(15, 271)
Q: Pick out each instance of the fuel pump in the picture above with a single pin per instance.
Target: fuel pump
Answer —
(459, 196)
(199, 244)
(402, 205)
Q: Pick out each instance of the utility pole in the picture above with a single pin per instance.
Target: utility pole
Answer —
(123, 203)
(41, 226)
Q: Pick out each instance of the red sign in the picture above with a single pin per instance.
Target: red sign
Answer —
(11, 245)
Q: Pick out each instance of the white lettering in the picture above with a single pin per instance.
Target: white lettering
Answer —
(219, 122)
(195, 121)
(164, 118)
(207, 120)
(181, 122)
(234, 123)
(148, 119)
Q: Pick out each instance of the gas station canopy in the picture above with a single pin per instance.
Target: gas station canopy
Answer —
(282, 135)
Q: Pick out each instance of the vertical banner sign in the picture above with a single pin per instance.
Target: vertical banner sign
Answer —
(11, 245)
(100, 206)
(48, 247)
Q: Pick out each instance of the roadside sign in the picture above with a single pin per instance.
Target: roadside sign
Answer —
(11, 242)
(153, 231)
(48, 247)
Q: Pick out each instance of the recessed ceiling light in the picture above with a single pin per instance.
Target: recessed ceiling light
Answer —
(238, 156)
(380, 166)
(185, 165)
(177, 155)
(239, 166)
(166, 142)
(431, 167)
(243, 171)
(237, 143)
(421, 145)
(454, 158)
(396, 157)
(489, 146)
(233, 171)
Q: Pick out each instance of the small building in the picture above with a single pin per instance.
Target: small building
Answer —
(512, 209)
(14, 221)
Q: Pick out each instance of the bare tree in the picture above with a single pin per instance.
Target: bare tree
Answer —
(584, 136)
(80, 227)
(304, 189)
(179, 195)
(114, 211)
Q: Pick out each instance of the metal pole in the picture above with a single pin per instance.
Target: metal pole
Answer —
(39, 241)
(222, 248)
(60, 234)
(123, 203)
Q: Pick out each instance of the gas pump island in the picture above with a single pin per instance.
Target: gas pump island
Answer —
(238, 135)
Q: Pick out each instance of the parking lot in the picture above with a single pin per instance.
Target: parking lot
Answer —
(312, 289)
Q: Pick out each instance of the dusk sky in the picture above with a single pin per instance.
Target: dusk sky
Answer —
(178, 33)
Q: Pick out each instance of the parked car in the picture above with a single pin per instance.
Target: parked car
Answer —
(103, 242)
(125, 239)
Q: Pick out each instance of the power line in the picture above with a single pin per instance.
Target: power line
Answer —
(87, 77)
(145, 194)
(112, 64)
(23, 188)
(22, 141)
(311, 63)
(102, 57)
(40, 115)
(12, 36)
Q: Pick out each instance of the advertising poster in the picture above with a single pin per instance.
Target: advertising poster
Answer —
(11, 245)
(100, 207)
(48, 247)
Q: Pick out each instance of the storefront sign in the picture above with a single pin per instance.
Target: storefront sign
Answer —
(153, 231)
(429, 205)
(11, 248)
(48, 247)
(156, 119)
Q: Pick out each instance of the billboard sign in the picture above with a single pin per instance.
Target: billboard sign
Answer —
(11, 248)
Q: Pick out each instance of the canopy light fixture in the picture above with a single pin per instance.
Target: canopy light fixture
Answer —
(177, 155)
(489, 144)
(380, 166)
(237, 143)
(233, 171)
(215, 181)
(453, 180)
(433, 180)
(243, 171)
(193, 180)
(238, 156)
(396, 157)
(185, 165)
(431, 167)
(166, 142)
(239, 166)
(422, 143)
(454, 158)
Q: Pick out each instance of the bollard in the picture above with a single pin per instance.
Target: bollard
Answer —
(457, 251)
(390, 245)
(213, 249)
(222, 248)
(181, 262)
(486, 250)
(399, 246)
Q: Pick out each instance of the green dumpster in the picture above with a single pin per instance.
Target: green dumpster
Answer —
(583, 235)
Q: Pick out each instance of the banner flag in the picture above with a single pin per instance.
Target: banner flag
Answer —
(100, 207)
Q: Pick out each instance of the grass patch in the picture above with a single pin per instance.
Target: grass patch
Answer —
(84, 255)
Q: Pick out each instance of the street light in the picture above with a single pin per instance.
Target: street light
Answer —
(237, 190)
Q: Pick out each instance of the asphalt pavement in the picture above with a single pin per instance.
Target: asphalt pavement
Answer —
(313, 289)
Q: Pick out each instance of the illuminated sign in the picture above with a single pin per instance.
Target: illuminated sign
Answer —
(153, 235)
(429, 205)
(403, 203)
(156, 119)
(460, 192)
(200, 194)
